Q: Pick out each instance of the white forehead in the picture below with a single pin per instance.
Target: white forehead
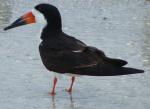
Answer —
(39, 17)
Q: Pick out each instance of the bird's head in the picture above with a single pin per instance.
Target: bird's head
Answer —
(45, 14)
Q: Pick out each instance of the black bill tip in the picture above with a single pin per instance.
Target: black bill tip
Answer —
(7, 28)
(18, 22)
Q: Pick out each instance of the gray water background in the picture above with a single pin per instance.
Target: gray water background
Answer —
(119, 27)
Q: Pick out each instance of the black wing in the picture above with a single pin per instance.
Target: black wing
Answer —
(69, 55)
(101, 54)
(88, 57)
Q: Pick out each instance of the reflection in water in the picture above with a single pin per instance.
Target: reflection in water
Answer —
(71, 106)
(71, 102)
(53, 102)
(5, 12)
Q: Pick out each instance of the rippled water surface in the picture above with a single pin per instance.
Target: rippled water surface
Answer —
(119, 27)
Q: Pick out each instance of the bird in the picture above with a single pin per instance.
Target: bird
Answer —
(65, 54)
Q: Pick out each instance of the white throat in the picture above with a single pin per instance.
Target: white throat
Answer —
(40, 19)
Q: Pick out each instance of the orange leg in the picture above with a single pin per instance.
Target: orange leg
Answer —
(72, 81)
(54, 86)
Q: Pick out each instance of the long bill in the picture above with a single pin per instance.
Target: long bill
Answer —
(27, 18)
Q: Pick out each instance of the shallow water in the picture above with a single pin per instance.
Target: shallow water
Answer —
(120, 28)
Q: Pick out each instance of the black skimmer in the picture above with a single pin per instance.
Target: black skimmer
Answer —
(65, 54)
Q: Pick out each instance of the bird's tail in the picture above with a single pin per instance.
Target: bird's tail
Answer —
(112, 71)
(124, 71)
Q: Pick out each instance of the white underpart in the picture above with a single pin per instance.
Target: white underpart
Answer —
(75, 75)
(57, 75)
(40, 20)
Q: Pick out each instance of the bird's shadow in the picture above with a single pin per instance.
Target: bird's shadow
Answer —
(71, 104)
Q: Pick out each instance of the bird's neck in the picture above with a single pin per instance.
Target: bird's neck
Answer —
(50, 31)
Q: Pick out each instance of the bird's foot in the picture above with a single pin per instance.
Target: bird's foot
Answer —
(68, 90)
(52, 93)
